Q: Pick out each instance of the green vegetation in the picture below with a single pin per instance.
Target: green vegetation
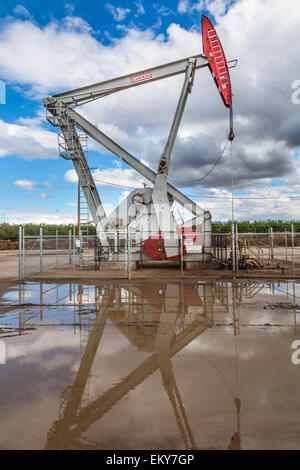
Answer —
(257, 226)
(11, 231)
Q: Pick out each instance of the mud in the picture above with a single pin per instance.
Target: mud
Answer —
(139, 365)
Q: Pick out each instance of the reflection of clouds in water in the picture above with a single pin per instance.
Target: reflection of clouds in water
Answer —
(54, 362)
(15, 295)
(34, 345)
(31, 348)
(82, 299)
(209, 342)
(38, 414)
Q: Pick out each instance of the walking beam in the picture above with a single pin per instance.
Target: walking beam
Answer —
(98, 90)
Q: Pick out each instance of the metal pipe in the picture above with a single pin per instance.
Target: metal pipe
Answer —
(237, 253)
(285, 241)
(78, 209)
(293, 260)
(20, 252)
(56, 245)
(181, 253)
(74, 251)
(232, 248)
(41, 249)
(164, 163)
(23, 252)
(272, 243)
(128, 254)
(70, 246)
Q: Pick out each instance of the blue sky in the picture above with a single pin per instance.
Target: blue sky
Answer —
(47, 47)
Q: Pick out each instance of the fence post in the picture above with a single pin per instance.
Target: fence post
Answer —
(74, 251)
(23, 251)
(128, 254)
(20, 252)
(232, 248)
(272, 243)
(285, 241)
(237, 253)
(56, 245)
(293, 260)
(70, 246)
(116, 243)
(41, 249)
(181, 253)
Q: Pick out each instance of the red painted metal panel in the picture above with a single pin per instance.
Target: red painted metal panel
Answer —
(154, 246)
(213, 50)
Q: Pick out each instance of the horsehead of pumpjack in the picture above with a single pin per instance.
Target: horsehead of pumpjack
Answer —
(218, 65)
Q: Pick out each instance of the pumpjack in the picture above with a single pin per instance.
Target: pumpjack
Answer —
(147, 211)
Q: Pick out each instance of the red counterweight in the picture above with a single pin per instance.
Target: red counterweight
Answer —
(213, 50)
(154, 246)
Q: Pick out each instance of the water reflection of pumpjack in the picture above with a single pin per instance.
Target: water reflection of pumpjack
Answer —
(166, 342)
(171, 329)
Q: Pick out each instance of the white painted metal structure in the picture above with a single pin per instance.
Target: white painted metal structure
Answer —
(61, 112)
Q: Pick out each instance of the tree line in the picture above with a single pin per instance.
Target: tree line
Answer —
(11, 231)
(258, 226)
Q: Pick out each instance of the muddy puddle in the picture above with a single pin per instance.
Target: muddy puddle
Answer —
(150, 366)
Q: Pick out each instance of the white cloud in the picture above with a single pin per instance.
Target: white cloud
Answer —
(266, 121)
(43, 195)
(72, 204)
(28, 141)
(118, 13)
(25, 184)
(140, 8)
(183, 6)
(71, 176)
(78, 24)
(31, 56)
(22, 11)
(263, 202)
(123, 196)
(38, 217)
(216, 7)
(111, 176)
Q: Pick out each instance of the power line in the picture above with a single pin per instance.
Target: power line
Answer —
(191, 182)
(114, 184)
(206, 196)
(246, 198)
(213, 167)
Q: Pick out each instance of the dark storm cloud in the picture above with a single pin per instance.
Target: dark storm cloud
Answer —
(252, 164)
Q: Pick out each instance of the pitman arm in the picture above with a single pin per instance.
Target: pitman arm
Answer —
(163, 213)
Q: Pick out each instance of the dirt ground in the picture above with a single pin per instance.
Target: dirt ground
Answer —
(9, 264)
(279, 268)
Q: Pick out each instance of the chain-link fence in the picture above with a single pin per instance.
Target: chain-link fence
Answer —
(257, 250)
(120, 251)
(44, 252)
(124, 251)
